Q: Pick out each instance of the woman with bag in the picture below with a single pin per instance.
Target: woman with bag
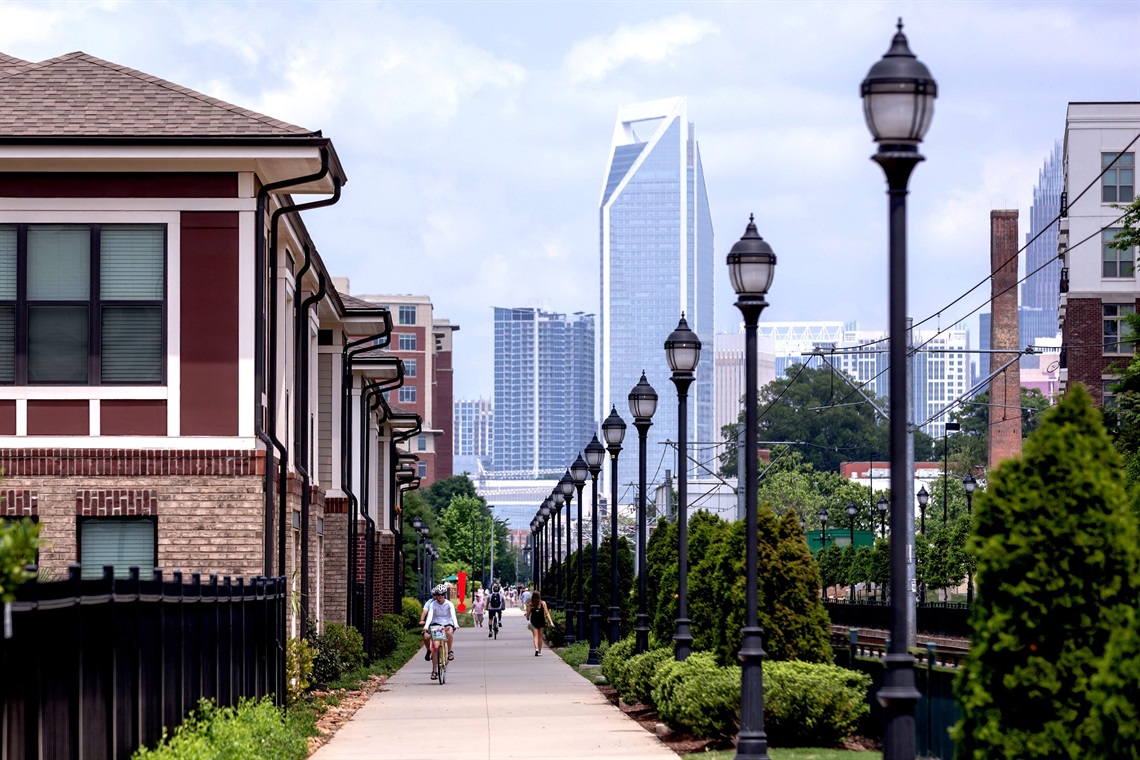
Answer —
(537, 615)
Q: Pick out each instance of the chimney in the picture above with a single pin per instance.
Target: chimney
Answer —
(1005, 388)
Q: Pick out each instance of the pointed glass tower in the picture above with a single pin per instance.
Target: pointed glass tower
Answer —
(656, 262)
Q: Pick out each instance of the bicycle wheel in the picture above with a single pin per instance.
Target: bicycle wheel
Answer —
(442, 662)
(496, 628)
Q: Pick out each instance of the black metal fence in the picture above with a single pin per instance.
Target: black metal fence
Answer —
(94, 669)
(933, 619)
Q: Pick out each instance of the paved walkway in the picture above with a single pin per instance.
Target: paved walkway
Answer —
(500, 702)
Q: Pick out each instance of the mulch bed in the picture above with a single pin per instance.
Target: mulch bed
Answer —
(335, 716)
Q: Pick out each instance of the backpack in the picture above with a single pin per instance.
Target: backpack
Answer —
(496, 601)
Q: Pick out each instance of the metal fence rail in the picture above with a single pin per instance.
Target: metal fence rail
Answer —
(934, 618)
(94, 669)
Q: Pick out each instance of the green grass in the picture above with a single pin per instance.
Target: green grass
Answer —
(799, 753)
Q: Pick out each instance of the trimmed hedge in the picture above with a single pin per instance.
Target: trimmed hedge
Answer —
(615, 662)
(638, 678)
(809, 704)
(410, 610)
(340, 649)
(698, 695)
(387, 633)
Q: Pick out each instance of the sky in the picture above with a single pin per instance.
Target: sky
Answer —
(475, 134)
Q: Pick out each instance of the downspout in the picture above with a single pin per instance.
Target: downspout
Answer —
(397, 599)
(301, 429)
(348, 351)
(282, 473)
(259, 340)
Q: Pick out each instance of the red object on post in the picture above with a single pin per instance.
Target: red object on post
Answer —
(462, 590)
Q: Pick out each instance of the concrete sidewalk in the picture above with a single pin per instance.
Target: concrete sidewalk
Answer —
(500, 702)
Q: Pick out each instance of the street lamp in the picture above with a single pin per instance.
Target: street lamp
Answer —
(595, 454)
(613, 430)
(545, 511)
(642, 405)
(578, 471)
(923, 500)
(851, 522)
(751, 266)
(883, 516)
(823, 543)
(566, 486)
(424, 576)
(558, 500)
(683, 350)
(969, 484)
(898, 103)
(416, 523)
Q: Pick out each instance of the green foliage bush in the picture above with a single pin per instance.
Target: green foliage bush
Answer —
(410, 610)
(19, 540)
(698, 695)
(616, 660)
(387, 633)
(298, 669)
(638, 679)
(1054, 662)
(252, 729)
(808, 704)
(340, 649)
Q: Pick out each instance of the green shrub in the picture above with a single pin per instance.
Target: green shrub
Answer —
(19, 540)
(576, 654)
(638, 679)
(387, 633)
(298, 668)
(706, 701)
(339, 650)
(810, 704)
(252, 729)
(1054, 656)
(410, 609)
(616, 660)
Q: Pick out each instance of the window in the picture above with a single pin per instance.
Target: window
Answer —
(407, 315)
(407, 342)
(409, 367)
(407, 394)
(82, 304)
(1118, 185)
(1117, 263)
(421, 469)
(1117, 334)
(422, 443)
(119, 541)
(1108, 391)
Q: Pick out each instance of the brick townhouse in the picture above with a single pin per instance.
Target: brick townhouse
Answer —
(181, 384)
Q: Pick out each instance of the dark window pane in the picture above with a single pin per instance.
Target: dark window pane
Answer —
(7, 344)
(7, 262)
(1127, 267)
(1126, 193)
(119, 542)
(1109, 269)
(130, 262)
(132, 344)
(57, 344)
(1108, 195)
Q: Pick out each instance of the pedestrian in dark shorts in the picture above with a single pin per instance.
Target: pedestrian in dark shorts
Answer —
(538, 615)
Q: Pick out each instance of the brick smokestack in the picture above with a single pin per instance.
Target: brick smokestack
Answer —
(1005, 388)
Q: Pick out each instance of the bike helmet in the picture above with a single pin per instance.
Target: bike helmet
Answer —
(440, 590)
(495, 587)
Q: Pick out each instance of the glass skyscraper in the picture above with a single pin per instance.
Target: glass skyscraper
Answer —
(544, 391)
(656, 262)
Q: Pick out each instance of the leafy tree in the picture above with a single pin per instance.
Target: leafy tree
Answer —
(832, 569)
(19, 540)
(969, 448)
(1054, 626)
(414, 506)
(440, 493)
(705, 529)
(660, 553)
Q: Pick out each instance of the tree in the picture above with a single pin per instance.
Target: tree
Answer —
(19, 540)
(414, 506)
(1058, 586)
(440, 493)
(969, 448)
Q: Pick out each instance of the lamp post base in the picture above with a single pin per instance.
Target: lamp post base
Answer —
(641, 633)
(751, 740)
(615, 624)
(898, 698)
(682, 640)
(595, 635)
(570, 637)
(581, 621)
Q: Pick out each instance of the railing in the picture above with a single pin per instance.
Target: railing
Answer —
(933, 618)
(95, 669)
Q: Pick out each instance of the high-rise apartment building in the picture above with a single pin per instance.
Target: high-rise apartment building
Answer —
(423, 343)
(656, 262)
(472, 423)
(544, 391)
(1098, 287)
(729, 353)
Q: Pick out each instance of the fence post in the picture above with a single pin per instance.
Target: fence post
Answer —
(75, 713)
(930, 647)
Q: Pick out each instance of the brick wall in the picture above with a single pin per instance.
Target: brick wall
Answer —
(18, 503)
(1083, 339)
(335, 566)
(1005, 388)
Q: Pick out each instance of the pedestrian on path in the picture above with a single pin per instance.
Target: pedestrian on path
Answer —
(538, 615)
(477, 610)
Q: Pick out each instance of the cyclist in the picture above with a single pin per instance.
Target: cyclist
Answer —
(441, 612)
(495, 609)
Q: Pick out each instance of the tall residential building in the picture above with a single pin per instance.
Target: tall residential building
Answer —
(423, 343)
(1098, 282)
(472, 423)
(657, 261)
(729, 353)
(544, 391)
(1037, 312)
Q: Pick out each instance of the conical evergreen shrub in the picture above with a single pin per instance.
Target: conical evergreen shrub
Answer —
(1053, 666)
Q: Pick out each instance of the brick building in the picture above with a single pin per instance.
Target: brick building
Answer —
(180, 384)
(1098, 283)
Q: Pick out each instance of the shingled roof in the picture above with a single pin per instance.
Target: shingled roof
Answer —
(79, 95)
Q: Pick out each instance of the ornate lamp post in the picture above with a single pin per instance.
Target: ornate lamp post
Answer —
(969, 484)
(578, 471)
(751, 265)
(425, 578)
(642, 405)
(823, 541)
(683, 350)
(566, 486)
(595, 454)
(545, 511)
(883, 516)
(898, 103)
(416, 524)
(923, 500)
(613, 430)
(851, 523)
(560, 587)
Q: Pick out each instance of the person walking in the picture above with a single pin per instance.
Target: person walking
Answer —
(477, 610)
(538, 616)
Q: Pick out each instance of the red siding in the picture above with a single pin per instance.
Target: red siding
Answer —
(209, 323)
(59, 417)
(132, 418)
(118, 185)
(7, 417)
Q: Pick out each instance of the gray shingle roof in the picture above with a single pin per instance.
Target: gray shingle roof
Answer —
(79, 95)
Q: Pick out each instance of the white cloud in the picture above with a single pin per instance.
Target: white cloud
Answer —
(591, 59)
